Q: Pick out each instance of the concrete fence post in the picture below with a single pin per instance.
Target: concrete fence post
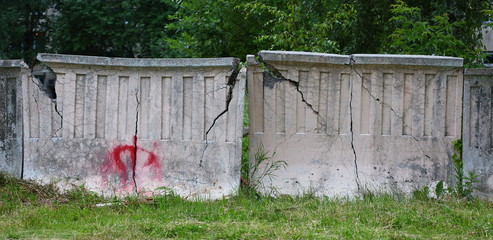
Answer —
(478, 128)
(13, 74)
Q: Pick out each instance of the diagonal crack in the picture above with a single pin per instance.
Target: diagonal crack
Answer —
(229, 97)
(387, 105)
(272, 76)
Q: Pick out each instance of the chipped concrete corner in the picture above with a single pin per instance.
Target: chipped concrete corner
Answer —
(124, 126)
(349, 124)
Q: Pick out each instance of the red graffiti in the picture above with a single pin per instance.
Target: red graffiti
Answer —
(120, 157)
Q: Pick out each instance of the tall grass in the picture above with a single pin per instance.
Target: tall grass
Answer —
(29, 211)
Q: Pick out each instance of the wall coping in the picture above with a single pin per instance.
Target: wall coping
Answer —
(361, 59)
(407, 60)
(310, 57)
(137, 62)
(478, 71)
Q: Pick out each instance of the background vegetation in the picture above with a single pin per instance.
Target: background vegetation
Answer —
(216, 28)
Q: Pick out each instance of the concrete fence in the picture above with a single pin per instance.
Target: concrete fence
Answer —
(346, 124)
(343, 124)
(121, 126)
(478, 127)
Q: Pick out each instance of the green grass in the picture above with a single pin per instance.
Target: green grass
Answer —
(29, 211)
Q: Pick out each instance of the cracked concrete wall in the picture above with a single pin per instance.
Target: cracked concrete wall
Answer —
(122, 126)
(478, 127)
(12, 75)
(347, 124)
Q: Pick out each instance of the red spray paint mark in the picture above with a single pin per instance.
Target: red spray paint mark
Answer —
(115, 162)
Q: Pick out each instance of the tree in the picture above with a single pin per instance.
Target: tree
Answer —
(302, 25)
(439, 28)
(25, 27)
(206, 28)
(127, 28)
(221, 28)
(214, 28)
(370, 29)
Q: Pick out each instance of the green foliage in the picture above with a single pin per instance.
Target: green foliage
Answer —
(127, 28)
(212, 28)
(237, 28)
(439, 189)
(371, 27)
(25, 27)
(207, 28)
(416, 34)
(301, 25)
(458, 166)
(464, 184)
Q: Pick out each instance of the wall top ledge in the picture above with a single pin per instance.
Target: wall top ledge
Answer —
(137, 62)
(478, 71)
(407, 60)
(364, 59)
(12, 64)
(306, 57)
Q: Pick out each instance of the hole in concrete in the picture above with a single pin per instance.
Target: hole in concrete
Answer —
(46, 79)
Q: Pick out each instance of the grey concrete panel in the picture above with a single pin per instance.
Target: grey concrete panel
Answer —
(12, 76)
(382, 123)
(478, 128)
(128, 126)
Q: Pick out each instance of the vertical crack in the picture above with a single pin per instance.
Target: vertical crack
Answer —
(134, 157)
(351, 129)
(229, 97)
(387, 105)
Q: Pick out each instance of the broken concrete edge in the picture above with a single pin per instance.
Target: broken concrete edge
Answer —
(13, 63)
(137, 62)
(357, 59)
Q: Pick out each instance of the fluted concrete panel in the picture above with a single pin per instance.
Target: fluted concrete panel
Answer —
(125, 126)
(347, 124)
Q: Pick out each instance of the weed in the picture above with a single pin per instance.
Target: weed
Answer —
(422, 194)
(263, 167)
(439, 189)
(464, 184)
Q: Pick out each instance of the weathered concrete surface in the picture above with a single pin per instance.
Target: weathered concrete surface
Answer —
(347, 124)
(478, 127)
(121, 126)
(12, 74)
